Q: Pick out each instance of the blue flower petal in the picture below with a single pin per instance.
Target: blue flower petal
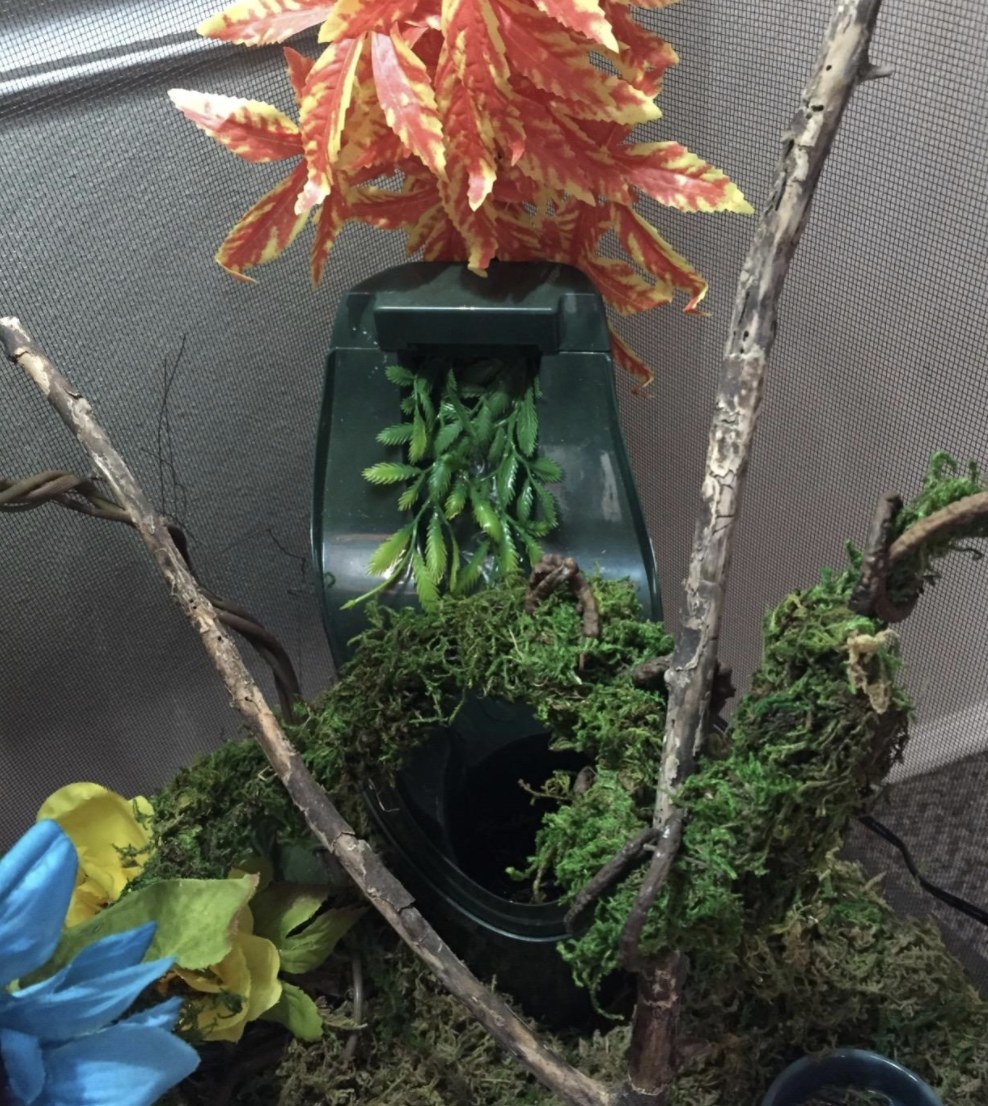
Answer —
(61, 1013)
(23, 1065)
(125, 1065)
(109, 953)
(37, 878)
(162, 1016)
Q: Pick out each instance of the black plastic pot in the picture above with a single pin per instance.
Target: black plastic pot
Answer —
(847, 1069)
(443, 819)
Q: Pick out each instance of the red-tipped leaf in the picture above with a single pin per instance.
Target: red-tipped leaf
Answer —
(252, 129)
(649, 250)
(327, 96)
(266, 230)
(561, 64)
(262, 22)
(333, 214)
(405, 93)
(585, 17)
(299, 67)
(672, 175)
(626, 358)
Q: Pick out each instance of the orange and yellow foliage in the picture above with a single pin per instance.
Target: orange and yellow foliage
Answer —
(480, 129)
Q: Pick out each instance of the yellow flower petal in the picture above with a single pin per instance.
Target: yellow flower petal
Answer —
(263, 964)
(100, 824)
(247, 975)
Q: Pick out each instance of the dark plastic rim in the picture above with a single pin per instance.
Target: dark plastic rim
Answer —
(539, 923)
(850, 1068)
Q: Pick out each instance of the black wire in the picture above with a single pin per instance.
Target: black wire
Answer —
(950, 899)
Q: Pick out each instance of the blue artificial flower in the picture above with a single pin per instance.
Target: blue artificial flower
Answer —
(60, 1041)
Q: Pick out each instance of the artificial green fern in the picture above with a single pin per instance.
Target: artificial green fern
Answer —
(473, 487)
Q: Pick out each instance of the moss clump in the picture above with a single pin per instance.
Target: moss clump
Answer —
(410, 673)
(811, 741)
(806, 748)
(839, 969)
(792, 950)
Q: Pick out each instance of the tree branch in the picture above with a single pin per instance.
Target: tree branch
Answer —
(356, 857)
(843, 62)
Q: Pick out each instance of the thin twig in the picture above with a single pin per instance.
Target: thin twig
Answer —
(875, 563)
(631, 853)
(870, 596)
(350, 1048)
(329, 827)
(842, 64)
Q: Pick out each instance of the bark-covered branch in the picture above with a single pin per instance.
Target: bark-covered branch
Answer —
(842, 64)
(356, 857)
(883, 554)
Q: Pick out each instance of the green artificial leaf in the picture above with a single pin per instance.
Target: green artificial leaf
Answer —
(504, 478)
(419, 444)
(447, 436)
(532, 549)
(300, 864)
(399, 434)
(546, 469)
(390, 472)
(540, 528)
(472, 572)
(425, 588)
(547, 505)
(454, 563)
(406, 501)
(497, 447)
(399, 375)
(507, 556)
(422, 390)
(526, 424)
(457, 498)
(526, 499)
(440, 474)
(296, 1011)
(499, 401)
(483, 427)
(282, 907)
(486, 518)
(305, 950)
(462, 414)
(195, 920)
(389, 551)
(436, 552)
(259, 866)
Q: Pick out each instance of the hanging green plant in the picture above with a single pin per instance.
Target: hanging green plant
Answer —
(473, 488)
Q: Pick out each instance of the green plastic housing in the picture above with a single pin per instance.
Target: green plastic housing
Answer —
(554, 316)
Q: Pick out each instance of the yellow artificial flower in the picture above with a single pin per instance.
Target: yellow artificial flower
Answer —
(241, 987)
(110, 841)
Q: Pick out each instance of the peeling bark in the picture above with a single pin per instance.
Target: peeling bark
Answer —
(355, 856)
(842, 64)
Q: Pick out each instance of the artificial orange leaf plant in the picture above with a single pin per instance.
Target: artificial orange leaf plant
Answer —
(481, 129)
